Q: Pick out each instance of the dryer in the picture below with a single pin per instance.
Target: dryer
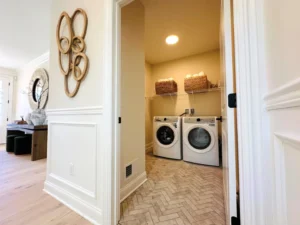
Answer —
(200, 140)
(167, 137)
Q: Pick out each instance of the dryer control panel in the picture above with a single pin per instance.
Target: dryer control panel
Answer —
(200, 120)
(166, 119)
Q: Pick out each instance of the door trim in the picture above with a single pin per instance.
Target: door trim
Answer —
(11, 106)
(249, 52)
(249, 67)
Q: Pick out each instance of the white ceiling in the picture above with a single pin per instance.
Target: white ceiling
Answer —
(25, 31)
(195, 22)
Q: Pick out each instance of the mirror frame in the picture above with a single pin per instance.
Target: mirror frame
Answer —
(43, 76)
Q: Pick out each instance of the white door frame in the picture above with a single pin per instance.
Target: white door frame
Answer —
(10, 77)
(248, 27)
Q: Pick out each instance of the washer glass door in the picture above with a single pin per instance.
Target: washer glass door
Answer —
(165, 135)
(199, 138)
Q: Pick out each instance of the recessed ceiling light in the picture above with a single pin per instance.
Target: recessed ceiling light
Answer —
(172, 39)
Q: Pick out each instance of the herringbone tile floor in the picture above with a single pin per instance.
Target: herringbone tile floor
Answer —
(176, 193)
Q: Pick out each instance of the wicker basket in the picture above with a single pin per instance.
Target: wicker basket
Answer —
(195, 83)
(165, 87)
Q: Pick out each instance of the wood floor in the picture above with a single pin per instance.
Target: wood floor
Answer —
(22, 200)
(176, 193)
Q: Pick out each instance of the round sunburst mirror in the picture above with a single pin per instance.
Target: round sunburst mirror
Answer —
(38, 89)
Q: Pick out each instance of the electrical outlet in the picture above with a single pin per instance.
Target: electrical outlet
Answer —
(187, 111)
(71, 169)
(192, 111)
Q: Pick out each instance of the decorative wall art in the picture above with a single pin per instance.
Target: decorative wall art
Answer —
(38, 89)
(73, 48)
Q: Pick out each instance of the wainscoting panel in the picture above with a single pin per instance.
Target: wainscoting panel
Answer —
(73, 164)
(68, 157)
(287, 184)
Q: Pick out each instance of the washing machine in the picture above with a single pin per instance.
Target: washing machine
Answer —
(200, 140)
(167, 137)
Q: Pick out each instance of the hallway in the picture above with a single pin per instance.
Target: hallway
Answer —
(176, 193)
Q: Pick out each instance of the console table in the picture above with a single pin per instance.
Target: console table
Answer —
(39, 138)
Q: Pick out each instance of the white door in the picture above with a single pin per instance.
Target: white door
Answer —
(228, 114)
(4, 109)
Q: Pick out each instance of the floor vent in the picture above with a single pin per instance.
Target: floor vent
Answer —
(128, 170)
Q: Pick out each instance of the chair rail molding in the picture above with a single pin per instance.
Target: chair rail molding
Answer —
(91, 110)
(285, 96)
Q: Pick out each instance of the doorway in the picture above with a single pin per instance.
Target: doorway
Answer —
(5, 106)
(135, 98)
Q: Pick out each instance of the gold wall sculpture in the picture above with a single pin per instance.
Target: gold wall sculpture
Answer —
(73, 47)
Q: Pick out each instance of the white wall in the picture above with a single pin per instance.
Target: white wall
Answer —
(22, 107)
(132, 97)
(282, 53)
(90, 92)
(78, 168)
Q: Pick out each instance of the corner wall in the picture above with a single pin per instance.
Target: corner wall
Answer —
(132, 97)
(78, 172)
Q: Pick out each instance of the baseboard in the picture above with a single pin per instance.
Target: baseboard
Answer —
(149, 147)
(89, 212)
(132, 186)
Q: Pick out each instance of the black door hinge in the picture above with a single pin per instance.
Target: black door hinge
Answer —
(232, 100)
(220, 119)
(8, 101)
(120, 120)
(8, 84)
(7, 119)
(235, 221)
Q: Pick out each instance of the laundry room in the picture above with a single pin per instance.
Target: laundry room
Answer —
(170, 111)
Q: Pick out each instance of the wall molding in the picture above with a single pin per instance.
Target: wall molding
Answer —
(6, 72)
(91, 194)
(281, 143)
(285, 96)
(149, 146)
(279, 180)
(74, 186)
(37, 61)
(74, 203)
(289, 139)
(92, 110)
(133, 186)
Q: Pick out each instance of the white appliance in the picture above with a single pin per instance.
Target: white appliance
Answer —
(167, 137)
(200, 140)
